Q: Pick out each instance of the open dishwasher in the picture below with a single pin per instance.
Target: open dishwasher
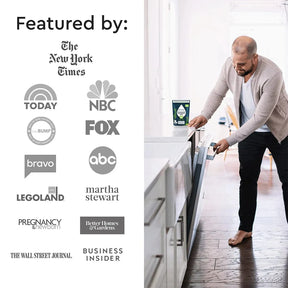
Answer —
(203, 152)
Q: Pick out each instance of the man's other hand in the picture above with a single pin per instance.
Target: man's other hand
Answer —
(221, 146)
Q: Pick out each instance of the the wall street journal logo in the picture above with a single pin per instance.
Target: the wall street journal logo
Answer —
(41, 224)
(40, 96)
(40, 164)
(102, 95)
(51, 196)
(102, 160)
(41, 130)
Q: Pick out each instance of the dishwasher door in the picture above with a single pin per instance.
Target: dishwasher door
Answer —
(203, 152)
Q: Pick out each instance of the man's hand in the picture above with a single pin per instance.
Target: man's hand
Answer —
(221, 146)
(198, 121)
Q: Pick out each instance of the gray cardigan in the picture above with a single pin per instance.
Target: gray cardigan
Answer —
(269, 94)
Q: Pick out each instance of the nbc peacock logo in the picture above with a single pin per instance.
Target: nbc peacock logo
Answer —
(40, 97)
(102, 96)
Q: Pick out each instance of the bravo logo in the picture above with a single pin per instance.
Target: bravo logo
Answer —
(39, 164)
(40, 96)
(107, 92)
(102, 160)
(102, 127)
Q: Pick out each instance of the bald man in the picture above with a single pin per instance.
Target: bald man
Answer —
(261, 105)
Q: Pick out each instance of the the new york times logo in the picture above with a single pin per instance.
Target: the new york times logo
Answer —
(41, 224)
(40, 96)
(51, 196)
(107, 91)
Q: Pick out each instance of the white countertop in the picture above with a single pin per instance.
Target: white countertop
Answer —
(152, 169)
(163, 130)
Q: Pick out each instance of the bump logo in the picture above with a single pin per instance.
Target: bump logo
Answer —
(41, 130)
(40, 96)
(97, 91)
(102, 160)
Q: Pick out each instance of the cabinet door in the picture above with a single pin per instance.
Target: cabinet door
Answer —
(155, 251)
(155, 235)
(177, 252)
(171, 253)
(181, 248)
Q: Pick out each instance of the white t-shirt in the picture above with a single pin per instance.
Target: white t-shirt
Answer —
(247, 104)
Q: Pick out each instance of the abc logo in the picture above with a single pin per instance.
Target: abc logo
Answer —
(102, 160)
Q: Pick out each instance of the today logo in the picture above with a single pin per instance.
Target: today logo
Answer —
(40, 96)
(102, 160)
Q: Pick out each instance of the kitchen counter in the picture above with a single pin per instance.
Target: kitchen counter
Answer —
(153, 167)
(162, 130)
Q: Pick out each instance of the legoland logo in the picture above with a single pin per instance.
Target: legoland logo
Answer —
(51, 196)
(40, 96)
(102, 90)
(102, 160)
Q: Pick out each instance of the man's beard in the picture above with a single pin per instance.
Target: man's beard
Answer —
(243, 73)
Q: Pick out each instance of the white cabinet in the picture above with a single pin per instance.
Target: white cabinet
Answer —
(155, 224)
(178, 187)
(178, 175)
(177, 252)
(181, 248)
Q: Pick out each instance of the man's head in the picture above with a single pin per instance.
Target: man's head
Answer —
(244, 57)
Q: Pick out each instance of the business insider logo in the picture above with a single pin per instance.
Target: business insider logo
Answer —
(40, 96)
(41, 130)
(101, 90)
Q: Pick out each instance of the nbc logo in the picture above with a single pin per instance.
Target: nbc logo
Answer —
(40, 96)
(107, 91)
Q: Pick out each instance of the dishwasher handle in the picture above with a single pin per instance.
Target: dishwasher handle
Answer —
(211, 153)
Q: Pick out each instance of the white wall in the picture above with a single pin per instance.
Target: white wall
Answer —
(206, 31)
(204, 46)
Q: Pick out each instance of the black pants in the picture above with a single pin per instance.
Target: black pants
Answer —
(251, 151)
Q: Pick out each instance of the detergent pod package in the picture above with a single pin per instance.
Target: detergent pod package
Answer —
(180, 112)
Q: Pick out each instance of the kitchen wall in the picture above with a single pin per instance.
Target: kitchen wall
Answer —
(204, 46)
(204, 35)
